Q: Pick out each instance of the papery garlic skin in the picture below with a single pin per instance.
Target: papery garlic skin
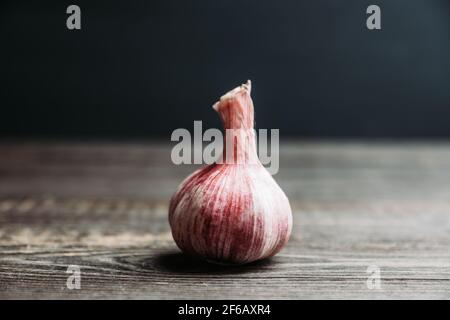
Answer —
(232, 212)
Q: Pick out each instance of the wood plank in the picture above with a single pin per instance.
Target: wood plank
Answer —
(104, 207)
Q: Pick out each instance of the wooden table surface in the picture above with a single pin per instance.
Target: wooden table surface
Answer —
(103, 207)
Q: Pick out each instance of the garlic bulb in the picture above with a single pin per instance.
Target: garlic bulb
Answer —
(232, 211)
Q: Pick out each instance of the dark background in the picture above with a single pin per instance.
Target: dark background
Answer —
(143, 68)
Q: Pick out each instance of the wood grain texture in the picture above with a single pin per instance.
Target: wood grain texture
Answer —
(104, 207)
